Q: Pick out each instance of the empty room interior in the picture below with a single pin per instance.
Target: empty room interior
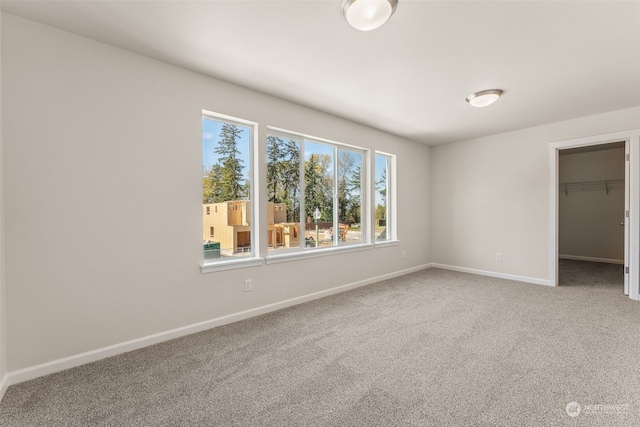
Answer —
(338, 212)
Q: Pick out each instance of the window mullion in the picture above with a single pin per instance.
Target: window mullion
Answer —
(336, 207)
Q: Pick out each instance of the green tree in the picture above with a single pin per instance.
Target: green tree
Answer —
(318, 186)
(381, 186)
(226, 177)
(210, 188)
(291, 180)
(345, 167)
(283, 175)
(275, 157)
(354, 187)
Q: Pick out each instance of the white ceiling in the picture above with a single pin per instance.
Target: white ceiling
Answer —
(554, 60)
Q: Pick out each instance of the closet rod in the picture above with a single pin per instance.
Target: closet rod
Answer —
(607, 185)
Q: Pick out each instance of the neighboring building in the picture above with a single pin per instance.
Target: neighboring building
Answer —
(284, 235)
(281, 234)
(229, 223)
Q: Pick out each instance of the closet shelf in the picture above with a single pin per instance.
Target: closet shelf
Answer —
(613, 184)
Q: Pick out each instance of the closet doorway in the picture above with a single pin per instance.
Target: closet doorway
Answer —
(591, 216)
(631, 217)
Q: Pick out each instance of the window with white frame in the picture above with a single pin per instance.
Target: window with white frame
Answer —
(314, 193)
(383, 188)
(227, 152)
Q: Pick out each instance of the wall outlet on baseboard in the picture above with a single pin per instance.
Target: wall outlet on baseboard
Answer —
(248, 285)
(499, 257)
(404, 254)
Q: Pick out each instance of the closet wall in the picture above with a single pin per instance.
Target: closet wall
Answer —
(591, 203)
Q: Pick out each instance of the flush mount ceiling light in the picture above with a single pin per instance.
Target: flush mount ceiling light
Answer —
(367, 15)
(484, 98)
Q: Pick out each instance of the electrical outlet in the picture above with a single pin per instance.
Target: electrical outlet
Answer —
(248, 285)
(499, 257)
(404, 254)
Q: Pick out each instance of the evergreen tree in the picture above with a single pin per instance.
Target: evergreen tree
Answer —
(210, 187)
(354, 187)
(318, 187)
(275, 157)
(291, 180)
(325, 162)
(283, 175)
(227, 174)
(346, 163)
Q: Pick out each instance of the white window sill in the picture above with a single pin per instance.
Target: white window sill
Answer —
(293, 256)
(231, 264)
(383, 243)
(314, 253)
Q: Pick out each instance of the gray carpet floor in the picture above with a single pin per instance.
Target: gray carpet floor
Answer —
(433, 348)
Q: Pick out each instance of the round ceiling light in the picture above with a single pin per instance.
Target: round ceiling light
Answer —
(484, 98)
(367, 15)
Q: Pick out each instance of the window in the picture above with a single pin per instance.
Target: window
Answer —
(383, 217)
(227, 152)
(349, 186)
(314, 193)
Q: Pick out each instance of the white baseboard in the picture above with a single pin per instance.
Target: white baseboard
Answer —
(4, 385)
(592, 259)
(534, 280)
(58, 365)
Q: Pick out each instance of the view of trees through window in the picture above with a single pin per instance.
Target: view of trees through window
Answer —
(226, 189)
(319, 186)
(283, 175)
(314, 192)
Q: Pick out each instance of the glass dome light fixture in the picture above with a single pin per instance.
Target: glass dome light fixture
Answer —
(484, 97)
(367, 15)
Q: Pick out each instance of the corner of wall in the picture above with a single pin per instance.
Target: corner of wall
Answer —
(3, 335)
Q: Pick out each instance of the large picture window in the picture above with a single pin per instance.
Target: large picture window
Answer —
(319, 194)
(226, 188)
(314, 193)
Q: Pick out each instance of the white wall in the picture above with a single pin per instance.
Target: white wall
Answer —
(491, 195)
(103, 197)
(589, 221)
(3, 341)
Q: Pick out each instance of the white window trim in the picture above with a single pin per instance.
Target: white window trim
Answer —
(274, 131)
(382, 243)
(327, 251)
(317, 252)
(392, 225)
(230, 264)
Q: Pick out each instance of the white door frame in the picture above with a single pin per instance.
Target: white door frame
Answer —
(627, 208)
(632, 138)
